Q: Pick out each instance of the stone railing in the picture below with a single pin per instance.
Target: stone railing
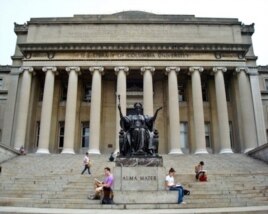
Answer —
(260, 153)
(7, 153)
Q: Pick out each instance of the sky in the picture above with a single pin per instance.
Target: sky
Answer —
(20, 11)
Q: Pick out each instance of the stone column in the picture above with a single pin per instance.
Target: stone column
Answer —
(173, 109)
(199, 125)
(148, 103)
(70, 115)
(257, 104)
(95, 110)
(247, 112)
(222, 112)
(46, 112)
(23, 109)
(121, 89)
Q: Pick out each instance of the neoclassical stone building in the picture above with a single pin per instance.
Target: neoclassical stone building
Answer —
(67, 73)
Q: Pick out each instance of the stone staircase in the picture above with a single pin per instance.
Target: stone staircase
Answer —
(54, 181)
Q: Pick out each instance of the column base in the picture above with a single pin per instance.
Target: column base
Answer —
(226, 151)
(201, 151)
(94, 151)
(175, 152)
(67, 151)
(42, 151)
(116, 152)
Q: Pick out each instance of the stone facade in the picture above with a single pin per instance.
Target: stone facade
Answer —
(67, 73)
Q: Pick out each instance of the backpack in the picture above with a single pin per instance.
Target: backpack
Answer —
(107, 196)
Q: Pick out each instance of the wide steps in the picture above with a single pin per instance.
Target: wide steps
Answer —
(54, 181)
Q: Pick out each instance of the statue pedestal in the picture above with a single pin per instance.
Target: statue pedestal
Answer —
(141, 180)
(139, 173)
(138, 161)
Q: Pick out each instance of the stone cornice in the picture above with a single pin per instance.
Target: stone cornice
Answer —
(134, 17)
(247, 29)
(5, 68)
(27, 48)
(20, 29)
(263, 69)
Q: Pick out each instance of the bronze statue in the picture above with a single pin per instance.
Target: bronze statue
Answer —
(138, 137)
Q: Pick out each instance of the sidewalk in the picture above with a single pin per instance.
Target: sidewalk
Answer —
(255, 209)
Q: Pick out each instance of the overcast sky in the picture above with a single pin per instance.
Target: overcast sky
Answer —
(20, 11)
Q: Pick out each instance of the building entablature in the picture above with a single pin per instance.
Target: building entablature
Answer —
(134, 50)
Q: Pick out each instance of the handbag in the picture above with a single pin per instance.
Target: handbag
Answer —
(89, 163)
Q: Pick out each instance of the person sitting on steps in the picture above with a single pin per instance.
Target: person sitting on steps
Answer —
(105, 186)
(172, 186)
(200, 173)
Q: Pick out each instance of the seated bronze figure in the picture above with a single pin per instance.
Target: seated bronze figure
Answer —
(137, 135)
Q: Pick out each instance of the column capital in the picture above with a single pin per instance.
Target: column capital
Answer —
(117, 69)
(53, 69)
(99, 69)
(29, 69)
(76, 69)
(216, 69)
(169, 69)
(193, 69)
(148, 68)
(240, 69)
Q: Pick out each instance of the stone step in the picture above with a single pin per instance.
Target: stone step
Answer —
(54, 181)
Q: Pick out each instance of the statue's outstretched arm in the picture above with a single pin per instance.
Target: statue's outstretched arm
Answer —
(120, 112)
(156, 112)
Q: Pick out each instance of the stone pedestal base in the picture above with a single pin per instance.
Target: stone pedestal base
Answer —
(139, 161)
(139, 178)
(146, 197)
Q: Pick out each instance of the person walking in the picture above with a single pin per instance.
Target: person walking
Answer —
(86, 163)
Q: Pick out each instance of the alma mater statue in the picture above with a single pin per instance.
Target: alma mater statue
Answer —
(137, 136)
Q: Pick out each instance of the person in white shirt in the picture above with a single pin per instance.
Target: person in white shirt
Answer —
(86, 164)
(172, 186)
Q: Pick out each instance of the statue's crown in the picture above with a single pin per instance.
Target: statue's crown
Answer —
(137, 105)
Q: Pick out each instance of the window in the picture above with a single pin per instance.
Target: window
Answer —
(85, 134)
(231, 134)
(87, 93)
(228, 91)
(134, 85)
(266, 84)
(1, 82)
(41, 92)
(207, 135)
(205, 92)
(182, 92)
(64, 89)
(61, 134)
(37, 133)
(184, 135)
